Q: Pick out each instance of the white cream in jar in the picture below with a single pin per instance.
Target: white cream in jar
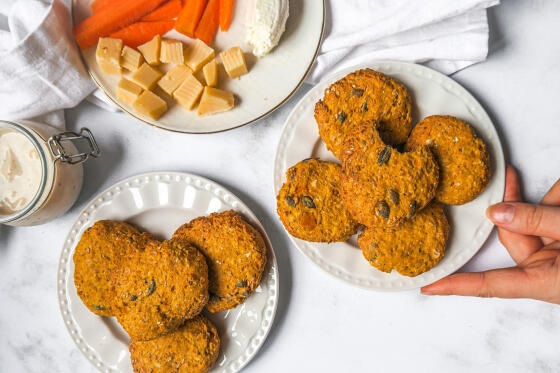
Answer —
(20, 172)
(41, 171)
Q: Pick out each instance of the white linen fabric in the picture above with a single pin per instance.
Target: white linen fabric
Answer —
(41, 72)
(444, 34)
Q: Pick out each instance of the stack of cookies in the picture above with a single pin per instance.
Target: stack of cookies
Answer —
(392, 180)
(158, 289)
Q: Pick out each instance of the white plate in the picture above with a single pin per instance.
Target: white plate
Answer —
(160, 203)
(270, 82)
(432, 93)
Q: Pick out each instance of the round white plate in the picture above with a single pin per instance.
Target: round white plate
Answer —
(270, 82)
(432, 93)
(159, 203)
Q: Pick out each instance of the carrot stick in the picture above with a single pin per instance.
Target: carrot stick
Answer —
(188, 18)
(209, 22)
(226, 8)
(110, 19)
(96, 5)
(165, 12)
(142, 32)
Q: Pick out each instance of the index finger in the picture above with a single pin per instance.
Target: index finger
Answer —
(503, 283)
(551, 198)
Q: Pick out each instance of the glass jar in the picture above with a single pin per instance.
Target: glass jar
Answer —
(61, 170)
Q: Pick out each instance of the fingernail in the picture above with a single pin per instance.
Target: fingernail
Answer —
(501, 213)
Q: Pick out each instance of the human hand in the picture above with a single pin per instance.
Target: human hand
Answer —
(531, 235)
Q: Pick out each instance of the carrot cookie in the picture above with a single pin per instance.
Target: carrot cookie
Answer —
(412, 248)
(157, 289)
(99, 251)
(309, 203)
(364, 96)
(462, 157)
(193, 348)
(235, 252)
(381, 186)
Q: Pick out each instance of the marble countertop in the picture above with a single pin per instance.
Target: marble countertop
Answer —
(324, 324)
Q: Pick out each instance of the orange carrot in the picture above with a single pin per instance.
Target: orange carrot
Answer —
(142, 32)
(188, 18)
(110, 19)
(96, 5)
(165, 12)
(226, 8)
(209, 22)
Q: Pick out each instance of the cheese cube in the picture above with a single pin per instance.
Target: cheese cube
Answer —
(146, 76)
(215, 101)
(173, 78)
(234, 62)
(150, 105)
(188, 92)
(131, 59)
(128, 91)
(150, 50)
(108, 55)
(171, 51)
(197, 55)
(210, 71)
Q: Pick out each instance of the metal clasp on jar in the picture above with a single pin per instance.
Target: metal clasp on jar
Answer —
(58, 151)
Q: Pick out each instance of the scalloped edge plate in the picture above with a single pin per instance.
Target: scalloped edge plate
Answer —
(271, 80)
(160, 202)
(432, 93)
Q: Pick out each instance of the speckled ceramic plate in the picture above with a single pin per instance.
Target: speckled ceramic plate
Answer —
(271, 80)
(160, 203)
(432, 93)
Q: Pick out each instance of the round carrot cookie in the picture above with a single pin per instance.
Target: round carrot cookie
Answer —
(99, 251)
(193, 348)
(364, 96)
(235, 252)
(411, 248)
(462, 157)
(381, 186)
(157, 289)
(309, 203)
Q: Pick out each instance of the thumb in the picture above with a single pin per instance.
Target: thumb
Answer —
(503, 283)
(525, 218)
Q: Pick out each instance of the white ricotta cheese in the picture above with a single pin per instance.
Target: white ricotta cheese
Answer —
(266, 24)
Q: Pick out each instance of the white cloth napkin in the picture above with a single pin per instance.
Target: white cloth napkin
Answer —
(447, 35)
(41, 72)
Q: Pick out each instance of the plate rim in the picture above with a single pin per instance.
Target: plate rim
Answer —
(133, 115)
(66, 257)
(377, 64)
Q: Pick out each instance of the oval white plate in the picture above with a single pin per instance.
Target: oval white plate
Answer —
(433, 93)
(160, 202)
(270, 82)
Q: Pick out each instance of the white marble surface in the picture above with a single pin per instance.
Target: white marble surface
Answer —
(323, 324)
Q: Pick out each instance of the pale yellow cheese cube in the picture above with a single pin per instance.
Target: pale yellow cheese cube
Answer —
(210, 71)
(150, 105)
(171, 52)
(146, 76)
(197, 55)
(215, 101)
(188, 92)
(234, 62)
(108, 55)
(173, 78)
(131, 59)
(151, 49)
(128, 91)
